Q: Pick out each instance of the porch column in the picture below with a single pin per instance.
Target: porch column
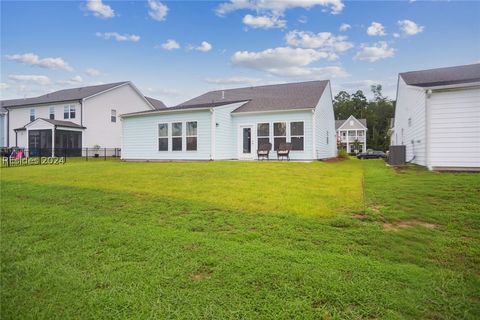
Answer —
(53, 142)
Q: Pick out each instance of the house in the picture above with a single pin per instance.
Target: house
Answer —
(351, 130)
(437, 117)
(73, 118)
(230, 124)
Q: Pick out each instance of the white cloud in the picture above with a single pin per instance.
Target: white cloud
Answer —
(100, 9)
(286, 62)
(34, 60)
(303, 19)
(118, 37)
(72, 81)
(376, 29)
(379, 50)
(232, 80)
(170, 44)
(322, 40)
(277, 7)
(264, 22)
(204, 47)
(92, 72)
(344, 27)
(37, 79)
(396, 35)
(409, 27)
(157, 10)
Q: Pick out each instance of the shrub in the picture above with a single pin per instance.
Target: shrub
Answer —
(342, 153)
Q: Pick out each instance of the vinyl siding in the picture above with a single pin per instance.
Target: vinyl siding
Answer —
(325, 125)
(271, 117)
(410, 105)
(225, 135)
(140, 136)
(454, 128)
(3, 130)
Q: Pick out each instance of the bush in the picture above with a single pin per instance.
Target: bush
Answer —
(342, 153)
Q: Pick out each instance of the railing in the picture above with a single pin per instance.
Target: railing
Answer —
(87, 153)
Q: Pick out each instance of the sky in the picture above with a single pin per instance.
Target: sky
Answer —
(176, 50)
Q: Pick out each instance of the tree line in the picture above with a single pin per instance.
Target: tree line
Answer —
(379, 111)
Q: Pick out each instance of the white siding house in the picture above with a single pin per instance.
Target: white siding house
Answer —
(231, 124)
(351, 130)
(76, 118)
(437, 117)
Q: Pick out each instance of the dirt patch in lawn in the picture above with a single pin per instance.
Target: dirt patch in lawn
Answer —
(360, 216)
(201, 275)
(395, 226)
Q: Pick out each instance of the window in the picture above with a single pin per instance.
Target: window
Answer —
(344, 134)
(163, 137)
(263, 133)
(32, 115)
(52, 113)
(409, 122)
(351, 133)
(360, 133)
(296, 136)
(327, 136)
(69, 112)
(177, 136)
(113, 115)
(191, 136)
(279, 134)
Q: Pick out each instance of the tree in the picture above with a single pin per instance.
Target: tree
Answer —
(378, 113)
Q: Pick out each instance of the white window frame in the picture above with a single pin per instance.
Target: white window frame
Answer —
(163, 137)
(270, 133)
(32, 114)
(183, 136)
(290, 136)
(191, 136)
(50, 112)
(68, 109)
(113, 116)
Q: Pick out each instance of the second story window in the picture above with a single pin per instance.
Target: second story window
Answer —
(69, 112)
(32, 115)
(52, 113)
(113, 115)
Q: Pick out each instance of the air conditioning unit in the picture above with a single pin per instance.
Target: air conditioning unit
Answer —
(397, 155)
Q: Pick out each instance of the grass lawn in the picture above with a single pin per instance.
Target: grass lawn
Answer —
(238, 240)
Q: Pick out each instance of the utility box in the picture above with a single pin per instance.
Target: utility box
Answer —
(397, 155)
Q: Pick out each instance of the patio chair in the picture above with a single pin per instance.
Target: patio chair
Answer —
(263, 151)
(283, 151)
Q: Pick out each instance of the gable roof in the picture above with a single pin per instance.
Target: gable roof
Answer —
(339, 123)
(278, 97)
(60, 123)
(443, 76)
(61, 95)
(157, 104)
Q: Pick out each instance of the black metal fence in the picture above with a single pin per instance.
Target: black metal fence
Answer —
(87, 153)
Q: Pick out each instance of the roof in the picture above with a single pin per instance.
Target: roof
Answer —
(157, 104)
(278, 97)
(443, 76)
(61, 95)
(59, 123)
(339, 123)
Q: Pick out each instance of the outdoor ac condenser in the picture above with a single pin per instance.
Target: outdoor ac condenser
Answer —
(397, 155)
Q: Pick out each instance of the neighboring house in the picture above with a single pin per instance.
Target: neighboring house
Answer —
(437, 117)
(3, 127)
(351, 130)
(230, 124)
(74, 118)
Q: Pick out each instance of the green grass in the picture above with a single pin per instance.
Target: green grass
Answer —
(238, 240)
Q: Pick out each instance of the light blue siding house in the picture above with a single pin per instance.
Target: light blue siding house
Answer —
(231, 124)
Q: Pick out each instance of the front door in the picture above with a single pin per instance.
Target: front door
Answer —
(246, 142)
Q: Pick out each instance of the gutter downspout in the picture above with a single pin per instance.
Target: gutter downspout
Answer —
(428, 93)
(212, 133)
(8, 128)
(314, 155)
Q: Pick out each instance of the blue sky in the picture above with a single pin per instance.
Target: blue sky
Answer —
(52, 45)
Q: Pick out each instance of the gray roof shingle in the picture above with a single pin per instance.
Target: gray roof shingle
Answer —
(157, 104)
(61, 95)
(339, 123)
(60, 123)
(289, 96)
(443, 76)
